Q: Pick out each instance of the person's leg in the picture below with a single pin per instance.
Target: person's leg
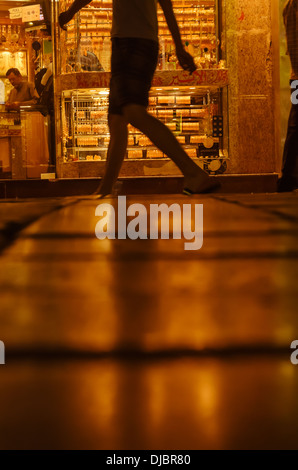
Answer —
(116, 153)
(161, 136)
(196, 180)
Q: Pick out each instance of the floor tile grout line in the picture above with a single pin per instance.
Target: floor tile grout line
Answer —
(209, 234)
(154, 257)
(13, 230)
(126, 353)
(277, 213)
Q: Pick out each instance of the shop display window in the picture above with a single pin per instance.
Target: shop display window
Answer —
(192, 106)
(86, 44)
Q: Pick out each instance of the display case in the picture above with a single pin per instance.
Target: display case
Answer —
(191, 113)
(192, 106)
(22, 155)
(10, 144)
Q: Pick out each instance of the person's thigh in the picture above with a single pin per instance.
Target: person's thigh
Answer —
(133, 65)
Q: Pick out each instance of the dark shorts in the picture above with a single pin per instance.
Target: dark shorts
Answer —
(133, 65)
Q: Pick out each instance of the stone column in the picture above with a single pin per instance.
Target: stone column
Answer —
(251, 39)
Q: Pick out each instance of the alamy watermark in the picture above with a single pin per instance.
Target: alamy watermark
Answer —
(187, 222)
(294, 355)
(2, 353)
(294, 95)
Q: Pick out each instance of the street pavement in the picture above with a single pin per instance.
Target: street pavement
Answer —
(143, 344)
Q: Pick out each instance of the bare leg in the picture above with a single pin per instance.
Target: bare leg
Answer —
(116, 152)
(163, 138)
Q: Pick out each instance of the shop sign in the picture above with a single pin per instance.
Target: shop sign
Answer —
(15, 13)
(31, 13)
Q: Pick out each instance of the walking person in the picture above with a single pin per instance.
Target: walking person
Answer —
(134, 59)
(289, 179)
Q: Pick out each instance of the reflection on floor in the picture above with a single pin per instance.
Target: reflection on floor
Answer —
(140, 344)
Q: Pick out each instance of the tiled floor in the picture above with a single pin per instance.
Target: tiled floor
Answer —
(140, 344)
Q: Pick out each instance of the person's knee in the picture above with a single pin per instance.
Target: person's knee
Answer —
(117, 123)
(134, 114)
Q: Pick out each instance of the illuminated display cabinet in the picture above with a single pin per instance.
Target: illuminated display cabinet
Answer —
(193, 106)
